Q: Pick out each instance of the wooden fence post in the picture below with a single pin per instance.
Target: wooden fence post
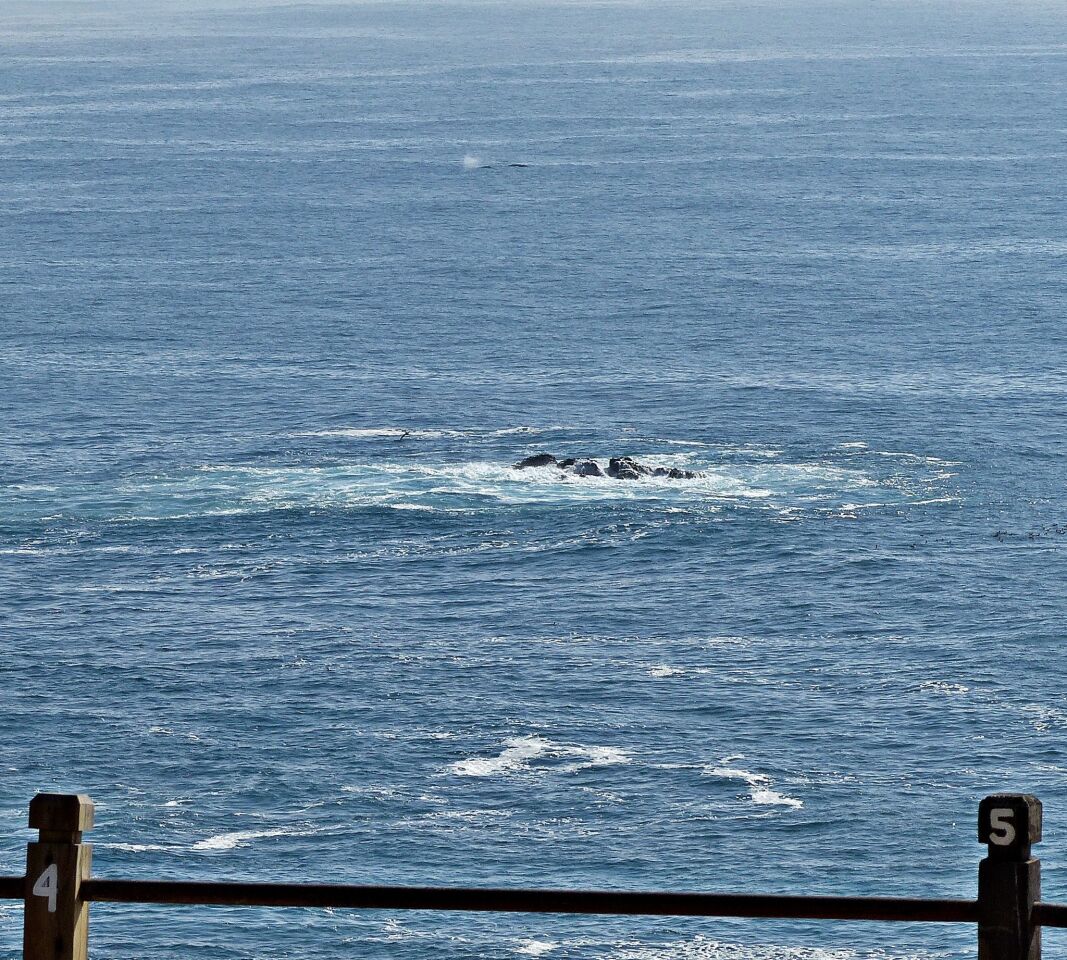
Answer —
(1009, 878)
(56, 924)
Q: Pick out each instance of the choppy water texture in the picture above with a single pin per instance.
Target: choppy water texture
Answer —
(285, 290)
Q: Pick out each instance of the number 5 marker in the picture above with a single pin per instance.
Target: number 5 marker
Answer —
(1001, 829)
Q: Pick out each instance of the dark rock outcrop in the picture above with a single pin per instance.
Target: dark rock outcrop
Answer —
(627, 468)
(588, 468)
(537, 460)
(619, 468)
(674, 473)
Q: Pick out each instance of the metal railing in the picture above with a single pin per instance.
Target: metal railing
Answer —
(58, 888)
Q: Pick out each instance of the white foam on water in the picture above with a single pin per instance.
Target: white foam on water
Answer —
(243, 838)
(361, 433)
(766, 453)
(535, 948)
(759, 784)
(515, 755)
(663, 441)
(219, 490)
(701, 947)
(1045, 718)
(852, 508)
(665, 671)
(761, 481)
(379, 793)
(520, 755)
(167, 732)
(139, 847)
(381, 433)
(916, 458)
(453, 820)
(943, 687)
(727, 641)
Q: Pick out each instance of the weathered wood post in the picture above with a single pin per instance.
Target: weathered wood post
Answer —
(56, 919)
(1009, 878)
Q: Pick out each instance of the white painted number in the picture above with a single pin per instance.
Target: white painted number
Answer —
(1001, 829)
(47, 885)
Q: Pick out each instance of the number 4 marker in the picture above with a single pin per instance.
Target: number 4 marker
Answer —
(47, 885)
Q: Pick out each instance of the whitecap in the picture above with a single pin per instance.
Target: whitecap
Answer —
(168, 732)
(358, 433)
(478, 817)
(515, 755)
(702, 947)
(380, 793)
(726, 641)
(1045, 717)
(764, 453)
(759, 784)
(917, 458)
(520, 755)
(138, 847)
(665, 671)
(535, 948)
(943, 687)
(378, 433)
(667, 443)
(242, 838)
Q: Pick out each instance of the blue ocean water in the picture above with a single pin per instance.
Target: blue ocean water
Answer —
(284, 291)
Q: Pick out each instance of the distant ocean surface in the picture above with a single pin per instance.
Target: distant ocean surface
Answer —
(285, 289)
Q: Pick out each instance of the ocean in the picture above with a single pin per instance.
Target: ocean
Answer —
(286, 288)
